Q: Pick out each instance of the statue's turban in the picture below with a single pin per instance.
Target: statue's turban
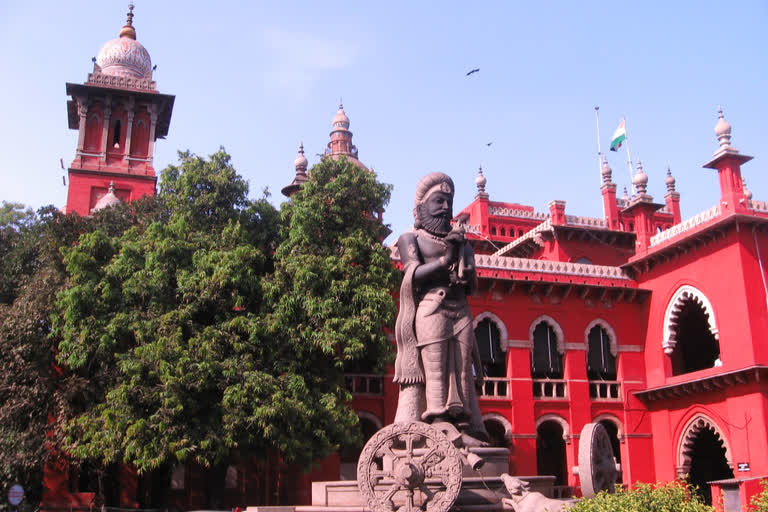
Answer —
(433, 182)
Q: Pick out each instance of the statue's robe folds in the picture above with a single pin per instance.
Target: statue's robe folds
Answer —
(435, 349)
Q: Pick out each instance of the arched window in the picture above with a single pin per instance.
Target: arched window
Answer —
(493, 230)
(690, 332)
(503, 232)
(519, 232)
(488, 342)
(116, 133)
(92, 143)
(601, 356)
(139, 138)
(546, 359)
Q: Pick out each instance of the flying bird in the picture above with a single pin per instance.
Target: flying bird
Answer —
(473, 71)
(489, 143)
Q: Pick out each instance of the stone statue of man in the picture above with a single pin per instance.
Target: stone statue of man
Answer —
(437, 360)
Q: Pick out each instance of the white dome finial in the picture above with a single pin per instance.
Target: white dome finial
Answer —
(480, 181)
(640, 180)
(670, 180)
(723, 130)
(606, 172)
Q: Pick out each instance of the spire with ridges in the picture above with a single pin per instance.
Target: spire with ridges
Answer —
(128, 30)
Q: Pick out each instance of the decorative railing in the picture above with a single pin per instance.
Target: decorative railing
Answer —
(516, 212)
(686, 225)
(495, 387)
(546, 266)
(121, 81)
(591, 222)
(544, 226)
(605, 390)
(549, 389)
(364, 384)
(761, 206)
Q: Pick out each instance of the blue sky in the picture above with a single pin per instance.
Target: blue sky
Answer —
(260, 77)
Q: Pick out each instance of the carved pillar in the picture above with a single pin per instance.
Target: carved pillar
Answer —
(105, 128)
(130, 105)
(153, 113)
(82, 110)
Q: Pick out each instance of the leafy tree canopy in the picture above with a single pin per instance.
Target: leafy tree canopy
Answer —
(199, 335)
(672, 496)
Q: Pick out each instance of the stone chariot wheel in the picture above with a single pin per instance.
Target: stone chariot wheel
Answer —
(597, 465)
(407, 467)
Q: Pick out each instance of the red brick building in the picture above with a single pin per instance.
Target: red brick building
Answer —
(119, 114)
(653, 325)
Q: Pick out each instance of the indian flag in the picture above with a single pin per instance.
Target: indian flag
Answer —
(619, 136)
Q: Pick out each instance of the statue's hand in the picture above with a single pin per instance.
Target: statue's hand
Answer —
(456, 236)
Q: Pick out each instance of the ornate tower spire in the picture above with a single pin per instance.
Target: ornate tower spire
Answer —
(480, 181)
(670, 181)
(301, 174)
(640, 180)
(128, 30)
(606, 172)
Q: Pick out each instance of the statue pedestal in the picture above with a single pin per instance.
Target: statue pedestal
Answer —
(480, 489)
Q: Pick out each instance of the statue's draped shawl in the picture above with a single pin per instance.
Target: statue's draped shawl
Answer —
(408, 368)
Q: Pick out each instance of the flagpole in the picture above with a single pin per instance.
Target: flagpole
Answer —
(599, 152)
(629, 157)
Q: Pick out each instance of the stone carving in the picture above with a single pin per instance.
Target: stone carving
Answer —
(436, 348)
(409, 466)
(524, 500)
(597, 469)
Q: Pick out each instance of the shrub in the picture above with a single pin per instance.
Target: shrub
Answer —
(759, 502)
(667, 497)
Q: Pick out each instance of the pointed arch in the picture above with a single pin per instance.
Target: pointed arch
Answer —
(555, 327)
(608, 329)
(688, 436)
(557, 419)
(613, 419)
(503, 336)
(672, 314)
(504, 422)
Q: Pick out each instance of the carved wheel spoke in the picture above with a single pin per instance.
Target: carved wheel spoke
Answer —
(396, 449)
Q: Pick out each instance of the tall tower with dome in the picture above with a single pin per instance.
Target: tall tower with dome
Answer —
(119, 114)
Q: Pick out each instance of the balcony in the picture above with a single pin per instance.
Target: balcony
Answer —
(549, 389)
(605, 390)
(364, 384)
(495, 387)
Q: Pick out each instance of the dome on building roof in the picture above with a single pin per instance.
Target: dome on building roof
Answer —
(340, 120)
(301, 160)
(125, 56)
(107, 200)
(640, 179)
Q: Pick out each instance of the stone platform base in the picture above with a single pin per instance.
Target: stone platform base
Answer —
(475, 491)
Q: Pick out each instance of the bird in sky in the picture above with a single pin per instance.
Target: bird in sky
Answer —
(489, 143)
(473, 71)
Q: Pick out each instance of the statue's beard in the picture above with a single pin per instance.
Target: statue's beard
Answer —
(439, 225)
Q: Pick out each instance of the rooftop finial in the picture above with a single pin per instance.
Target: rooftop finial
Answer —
(640, 179)
(480, 181)
(670, 180)
(723, 130)
(128, 30)
(606, 172)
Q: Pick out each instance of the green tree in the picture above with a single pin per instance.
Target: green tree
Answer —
(33, 391)
(330, 299)
(759, 502)
(161, 321)
(669, 497)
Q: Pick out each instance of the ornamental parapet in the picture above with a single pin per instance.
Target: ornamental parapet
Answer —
(760, 206)
(686, 225)
(592, 222)
(549, 267)
(515, 212)
(121, 82)
(531, 234)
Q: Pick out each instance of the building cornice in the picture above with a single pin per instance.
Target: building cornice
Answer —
(724, 380)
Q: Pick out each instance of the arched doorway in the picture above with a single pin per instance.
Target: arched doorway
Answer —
(704, 456)
(613, 435)
(550, 451)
